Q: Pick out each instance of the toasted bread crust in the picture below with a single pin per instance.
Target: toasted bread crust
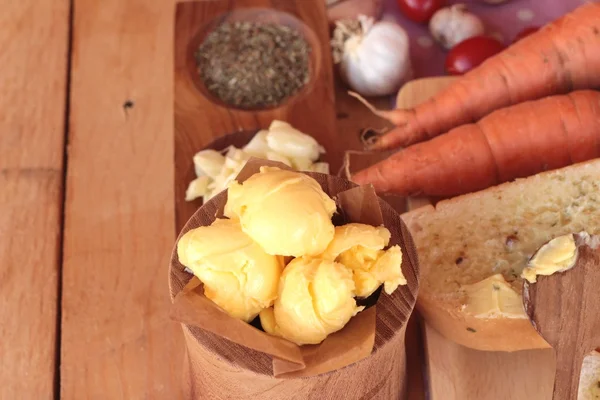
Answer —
(480, 225)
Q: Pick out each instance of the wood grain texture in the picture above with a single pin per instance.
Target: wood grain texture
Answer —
(353, 117)
(455, 372)
(417, 91)
(198, 120)
(34, 39)
(117, 339)
(563, 308)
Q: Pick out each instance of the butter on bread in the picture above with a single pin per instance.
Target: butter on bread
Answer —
(468, 239)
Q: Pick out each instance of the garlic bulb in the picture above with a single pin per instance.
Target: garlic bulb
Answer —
(451, 25)
(345, 9)
(373, 57)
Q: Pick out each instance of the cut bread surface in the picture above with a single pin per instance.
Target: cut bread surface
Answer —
(473, 248)
(589, 380)
(472, 237)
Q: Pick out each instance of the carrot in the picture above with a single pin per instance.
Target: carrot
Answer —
(509, 143)
(562, 56)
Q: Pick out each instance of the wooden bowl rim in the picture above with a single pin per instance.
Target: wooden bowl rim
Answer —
(254, 14)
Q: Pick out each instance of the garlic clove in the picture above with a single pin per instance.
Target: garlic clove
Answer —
(197, 188)
(320, 167)
(302, 163)
(208, 162)
(274, 156)
(290, 142)
(281, 142)
(258, 147)
(236, 156)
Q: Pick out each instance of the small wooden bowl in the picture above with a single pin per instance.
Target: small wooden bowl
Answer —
(264, 15)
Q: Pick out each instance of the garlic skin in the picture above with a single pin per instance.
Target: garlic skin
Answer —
(373, 57)
(451, 25)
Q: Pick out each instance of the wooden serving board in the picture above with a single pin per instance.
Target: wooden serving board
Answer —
(328, 113)
(198, 120)
(455, 372)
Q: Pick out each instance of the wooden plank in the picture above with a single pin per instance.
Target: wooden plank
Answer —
(353, 117)
(117, 339)
(33, 81)
(458, 373)
(198, 120)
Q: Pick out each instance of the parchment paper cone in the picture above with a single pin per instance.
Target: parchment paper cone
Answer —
(229, 359)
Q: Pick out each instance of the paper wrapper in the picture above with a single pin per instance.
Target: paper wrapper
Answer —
(238, 346)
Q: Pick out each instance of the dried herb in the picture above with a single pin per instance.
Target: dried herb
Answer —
(253, 65)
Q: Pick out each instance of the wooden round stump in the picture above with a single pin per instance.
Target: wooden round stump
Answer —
(217, 368)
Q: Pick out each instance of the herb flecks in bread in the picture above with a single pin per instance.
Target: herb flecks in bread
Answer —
(496, 232)
(464, 241)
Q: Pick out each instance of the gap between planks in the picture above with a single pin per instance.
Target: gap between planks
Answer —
(32, 132)
(57, 393)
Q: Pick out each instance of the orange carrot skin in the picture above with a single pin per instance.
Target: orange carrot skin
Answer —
(458, 161)
(509, 143)
(561, 57)
(535, 140)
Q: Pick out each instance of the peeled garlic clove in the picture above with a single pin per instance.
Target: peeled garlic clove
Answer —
(321, 167)
(197, 188)
(292, 143)
(236, 158)
(451, 25)
(302, 164)
(228, 174)
(277, 124)
(273, 156)
(208, 162)
(236, 155)
(258, 147)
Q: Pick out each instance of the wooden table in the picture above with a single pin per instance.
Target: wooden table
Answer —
(86, 201)
(86, 238)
